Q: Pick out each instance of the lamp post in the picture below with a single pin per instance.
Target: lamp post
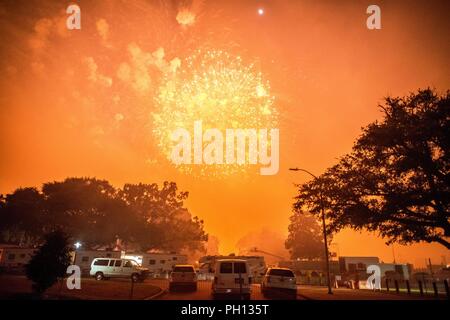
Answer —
(77, 245)
(327, 259)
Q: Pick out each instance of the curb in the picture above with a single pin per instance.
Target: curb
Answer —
(305, 297)
(156, 295)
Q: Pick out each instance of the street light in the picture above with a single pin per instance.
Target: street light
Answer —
(327, 260)
(77, 246)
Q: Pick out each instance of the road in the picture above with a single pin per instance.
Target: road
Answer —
(13, 287)
(203, 291)
(304, 293)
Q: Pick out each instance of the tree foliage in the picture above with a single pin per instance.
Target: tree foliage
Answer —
(20, 215)
(396, 179)
(94, 212)
(50, 262)
(305, 239)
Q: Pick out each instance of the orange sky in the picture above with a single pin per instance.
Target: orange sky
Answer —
(67, 110)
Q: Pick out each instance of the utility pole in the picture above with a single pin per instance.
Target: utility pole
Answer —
(322, 209)
(431, 268)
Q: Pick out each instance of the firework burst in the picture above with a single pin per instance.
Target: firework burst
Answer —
(221, 91)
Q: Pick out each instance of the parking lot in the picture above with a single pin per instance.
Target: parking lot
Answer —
(19, 287)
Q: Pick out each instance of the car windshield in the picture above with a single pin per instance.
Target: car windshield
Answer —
(281, 272)
(134, 263)
(130, 263)
(183, 269)
(101, 262)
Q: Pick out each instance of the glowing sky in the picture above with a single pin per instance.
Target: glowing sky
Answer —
(80, 102)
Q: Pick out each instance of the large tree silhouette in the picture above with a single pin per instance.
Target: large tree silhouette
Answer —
(396, 179)
(22, 212)
(86, 209)
(305, 239)
(93, 211)
(166, 223)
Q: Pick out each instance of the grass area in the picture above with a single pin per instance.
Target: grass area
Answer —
(19, 287)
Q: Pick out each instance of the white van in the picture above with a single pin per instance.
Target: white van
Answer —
(232, 278)
(104, 268)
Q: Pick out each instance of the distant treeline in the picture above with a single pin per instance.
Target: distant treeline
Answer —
(92, 211)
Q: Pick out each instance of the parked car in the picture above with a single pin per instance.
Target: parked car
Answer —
(232, 278)
(279, 280)
(104, 268)
(183, 276)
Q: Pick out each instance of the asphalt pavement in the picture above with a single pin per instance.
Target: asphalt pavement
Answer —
(12, 286)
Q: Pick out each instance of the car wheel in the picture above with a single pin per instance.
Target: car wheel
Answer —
(135, 277)
(99, 276)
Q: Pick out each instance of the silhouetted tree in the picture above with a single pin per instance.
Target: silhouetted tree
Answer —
(94, 212)
(86, 209)
(396, 179)
(305, 239)
(22, 215)
(164, 223)
(50, 262)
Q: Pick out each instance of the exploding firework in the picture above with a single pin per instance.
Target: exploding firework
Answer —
(221, 91)
(186, 17)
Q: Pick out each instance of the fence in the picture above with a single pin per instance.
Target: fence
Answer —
(314, 280)
(424, 287)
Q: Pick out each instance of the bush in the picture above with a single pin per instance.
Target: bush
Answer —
(50, 262)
